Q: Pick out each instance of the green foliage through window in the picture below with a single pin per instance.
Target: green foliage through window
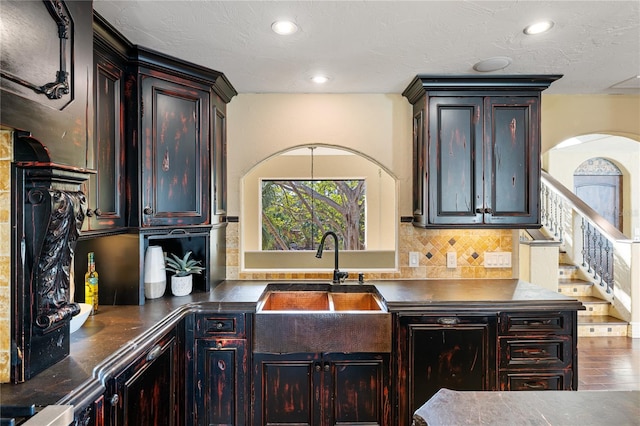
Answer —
(296, 213)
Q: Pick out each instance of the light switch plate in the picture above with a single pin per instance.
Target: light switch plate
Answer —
(414, 259)
(452, 259)
(497, 259)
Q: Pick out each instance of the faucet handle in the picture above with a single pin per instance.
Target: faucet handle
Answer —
(342, 275)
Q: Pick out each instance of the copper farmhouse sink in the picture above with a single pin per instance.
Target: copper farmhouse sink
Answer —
(317, 317)
(314, 299)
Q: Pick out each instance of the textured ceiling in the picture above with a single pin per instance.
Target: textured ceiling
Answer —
(379, 46)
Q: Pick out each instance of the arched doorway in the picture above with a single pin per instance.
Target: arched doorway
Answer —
(598, 182)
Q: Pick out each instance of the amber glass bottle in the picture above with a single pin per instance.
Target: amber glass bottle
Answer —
(91, 284)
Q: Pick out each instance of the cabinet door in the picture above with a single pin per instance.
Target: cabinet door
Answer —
(420, 172)
(219, 160)
(288, 389)
(146, 390)
(437, 352)
(221, 390)
(359, 389)
(175, 165)
(455, 161)
(512, 160)
(105, 191)
(322, 389)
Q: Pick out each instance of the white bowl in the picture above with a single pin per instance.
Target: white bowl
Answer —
(78, 320)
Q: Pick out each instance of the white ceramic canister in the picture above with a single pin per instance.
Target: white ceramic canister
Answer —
(155, 276)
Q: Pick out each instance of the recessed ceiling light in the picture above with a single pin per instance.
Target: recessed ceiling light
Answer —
(493, 64)
(538, 27)
(320, 79)
(284, 27)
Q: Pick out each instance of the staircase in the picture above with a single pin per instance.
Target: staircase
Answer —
(596, 320)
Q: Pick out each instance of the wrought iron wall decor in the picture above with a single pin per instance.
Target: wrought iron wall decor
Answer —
(60, 86)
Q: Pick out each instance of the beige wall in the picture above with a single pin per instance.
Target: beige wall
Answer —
(375, 125)
(6, 153)
(564, 116)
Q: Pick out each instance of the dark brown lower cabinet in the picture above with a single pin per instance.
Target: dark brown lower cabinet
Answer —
(221, 392)
(147, 391)
(443, 351)
(321, 389)
(219, 384)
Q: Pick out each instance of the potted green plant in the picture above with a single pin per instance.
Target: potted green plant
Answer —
(183, 270)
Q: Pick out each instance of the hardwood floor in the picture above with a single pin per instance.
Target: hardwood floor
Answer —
(608, 363)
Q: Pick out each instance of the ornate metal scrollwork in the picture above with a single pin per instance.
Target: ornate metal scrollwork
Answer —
(60, 87)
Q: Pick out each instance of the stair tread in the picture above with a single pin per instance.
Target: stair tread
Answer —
(574, 281)
(591, 299)
(567, 265)
(599, 319)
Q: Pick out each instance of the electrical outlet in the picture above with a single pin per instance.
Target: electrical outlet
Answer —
(452, 259)
(414, 259)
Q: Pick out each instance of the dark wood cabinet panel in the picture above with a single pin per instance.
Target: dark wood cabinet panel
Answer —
(219, 161)
(219, 388)
(146, 392)
(321, 389)
(435, 352)
(221, 384)
(514, 381)
(512, 159)
(106, 189)
(476, 150)
(455, 161)
(175, 153)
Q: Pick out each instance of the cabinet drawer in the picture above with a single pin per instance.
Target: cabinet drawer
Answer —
(544, 353)
(535, 381)
(220, 325)
(535, 322)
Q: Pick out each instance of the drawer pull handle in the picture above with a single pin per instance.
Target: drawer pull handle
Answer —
(537, 322)
(534, 352)
(534, 385)
(153, 353)
(448, 321)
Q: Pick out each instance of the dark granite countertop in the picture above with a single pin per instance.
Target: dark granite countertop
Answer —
(125, 328)
(548, 408)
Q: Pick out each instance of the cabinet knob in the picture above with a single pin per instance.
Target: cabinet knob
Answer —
(219, 325)
(89, 213)
(147, 210)
(318, 368)
(153, 353)
(115, 398)
(98, 212)
(326, 367)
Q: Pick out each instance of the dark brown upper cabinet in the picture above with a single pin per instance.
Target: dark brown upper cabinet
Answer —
(476, 150)
(174, 166)
(177, 152)
(105, 190)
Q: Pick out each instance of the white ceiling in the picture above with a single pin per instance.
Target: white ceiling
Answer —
(369, 46)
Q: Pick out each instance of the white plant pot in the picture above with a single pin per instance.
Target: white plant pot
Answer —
(155, 276)
(181, 286)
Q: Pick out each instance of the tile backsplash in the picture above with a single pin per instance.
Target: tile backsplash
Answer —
(6, 152)
(432, 246)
